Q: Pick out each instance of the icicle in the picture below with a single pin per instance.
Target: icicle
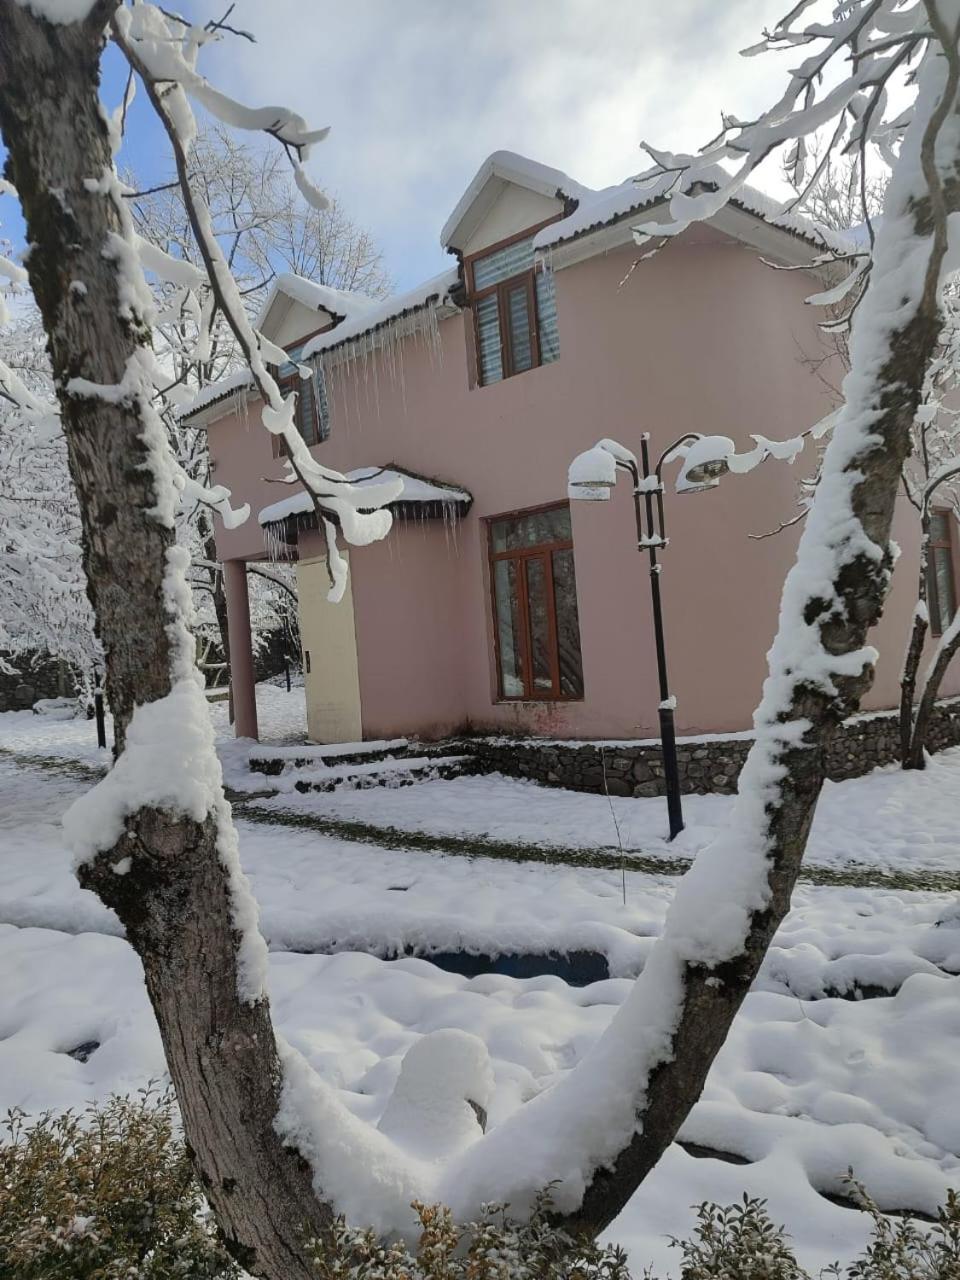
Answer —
(361, 359)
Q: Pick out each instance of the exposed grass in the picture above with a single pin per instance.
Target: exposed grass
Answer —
(600, 857)
(61, 765)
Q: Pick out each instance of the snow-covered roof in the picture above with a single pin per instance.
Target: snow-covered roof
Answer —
(508, 166)
(598, 209)
(365, 316)
(357, 316)
(435, 290)
(214, 391)
(316, 297)
(416, 489)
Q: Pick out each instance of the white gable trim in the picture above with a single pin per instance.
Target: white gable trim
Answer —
(491, 179)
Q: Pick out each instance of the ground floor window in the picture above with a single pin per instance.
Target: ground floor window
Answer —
(941, 593)
(536, 628)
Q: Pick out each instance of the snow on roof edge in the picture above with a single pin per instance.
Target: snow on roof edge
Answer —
(393, 308)
(380, 312)
(512, 167)
(315, 296)
(600, 209)
(215, 391)
(415, 489)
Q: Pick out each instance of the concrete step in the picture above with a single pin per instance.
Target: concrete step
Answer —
(273, 761)
(385, 773)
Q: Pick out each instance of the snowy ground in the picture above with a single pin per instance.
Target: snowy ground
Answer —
(808, 1084)
(890, 819)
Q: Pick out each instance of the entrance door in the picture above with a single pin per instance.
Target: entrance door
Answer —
(329, 657)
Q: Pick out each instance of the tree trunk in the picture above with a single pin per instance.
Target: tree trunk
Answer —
(887, 392)
(209, 544)
(949, 644)
(176, 901)
(911, 663)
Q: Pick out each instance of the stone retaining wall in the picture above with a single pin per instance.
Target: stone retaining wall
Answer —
(708, 765)
(34, 678)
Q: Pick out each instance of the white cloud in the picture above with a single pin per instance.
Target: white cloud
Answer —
(419, 91)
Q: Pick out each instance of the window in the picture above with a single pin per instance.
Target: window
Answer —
(312, 415)
(941, 593)
(536, 628)
(515, 311)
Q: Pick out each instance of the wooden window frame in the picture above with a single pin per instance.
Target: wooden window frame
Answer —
(294, 382)
(933, 590)
(542, 551)
(501, 289)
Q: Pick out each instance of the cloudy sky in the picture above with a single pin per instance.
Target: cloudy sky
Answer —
(418, 92)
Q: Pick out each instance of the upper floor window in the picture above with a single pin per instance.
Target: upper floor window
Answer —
(941, 591)
(312, 416)
(514, 309)
(536, 626)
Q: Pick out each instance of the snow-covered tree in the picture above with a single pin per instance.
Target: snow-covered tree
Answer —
(185, 903)
(43, 602)
(261, 221)
(843, 198)
(263, 227)
(277, 1151)
(931, 482)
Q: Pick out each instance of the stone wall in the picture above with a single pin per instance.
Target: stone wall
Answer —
(707, 765)
(34, 678)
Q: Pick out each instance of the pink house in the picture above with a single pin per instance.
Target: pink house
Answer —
(495, 603)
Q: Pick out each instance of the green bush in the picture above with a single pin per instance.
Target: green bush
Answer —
(741, 1242)
(111, 1194)
(493, 1248)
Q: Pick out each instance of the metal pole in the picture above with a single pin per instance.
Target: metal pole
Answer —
(98, 713)
(668, 737)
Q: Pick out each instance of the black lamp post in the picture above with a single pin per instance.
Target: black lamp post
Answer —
(592, 475)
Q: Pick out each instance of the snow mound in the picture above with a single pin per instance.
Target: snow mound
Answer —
(444, 1088)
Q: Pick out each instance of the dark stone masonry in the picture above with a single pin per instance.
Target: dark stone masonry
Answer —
(710, 764)
(34, 678)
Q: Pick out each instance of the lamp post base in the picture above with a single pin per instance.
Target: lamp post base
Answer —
(671, 771)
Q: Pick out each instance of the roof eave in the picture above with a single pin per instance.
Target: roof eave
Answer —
(216, 409)
(617, 231)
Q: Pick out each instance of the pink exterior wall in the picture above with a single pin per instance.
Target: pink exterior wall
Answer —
(703, 337)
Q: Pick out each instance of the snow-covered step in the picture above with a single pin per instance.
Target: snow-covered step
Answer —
(274, 760)
(383, 773)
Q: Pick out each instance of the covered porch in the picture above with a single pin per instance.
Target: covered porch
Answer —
(331, 661)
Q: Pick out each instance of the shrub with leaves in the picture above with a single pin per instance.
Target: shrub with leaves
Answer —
(902, 1249)
(109, 1194)
(493, 1248)
(741, 1242)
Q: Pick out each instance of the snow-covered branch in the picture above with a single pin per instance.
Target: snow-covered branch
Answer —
(161, 58)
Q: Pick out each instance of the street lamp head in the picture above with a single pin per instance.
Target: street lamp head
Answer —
(704, 461)
(703, 475)
(592, 475)
(582, 492)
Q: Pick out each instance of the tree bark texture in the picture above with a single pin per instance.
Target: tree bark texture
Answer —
(714, 995)
(915, 758)
(175, 901)
(911, 663)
